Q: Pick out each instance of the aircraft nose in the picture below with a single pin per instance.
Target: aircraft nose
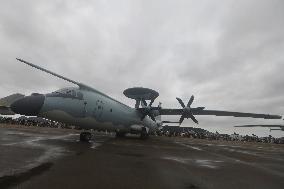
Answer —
(29, 105)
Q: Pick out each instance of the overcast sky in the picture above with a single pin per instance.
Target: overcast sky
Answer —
(229, 54)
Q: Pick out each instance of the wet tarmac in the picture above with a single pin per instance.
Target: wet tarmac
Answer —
(54, 158)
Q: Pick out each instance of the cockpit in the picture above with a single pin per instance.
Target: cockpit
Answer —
(67, 93)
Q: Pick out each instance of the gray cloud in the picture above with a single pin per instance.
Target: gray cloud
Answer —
(228, 54)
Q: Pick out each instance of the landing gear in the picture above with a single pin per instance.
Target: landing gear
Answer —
(144, 134)
(85, 136)
(120, 134)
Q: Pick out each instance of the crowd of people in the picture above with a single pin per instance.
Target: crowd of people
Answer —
(198, 133)
(170, 131)
(33, 121)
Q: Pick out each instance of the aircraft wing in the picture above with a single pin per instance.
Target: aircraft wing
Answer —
(260, 126)
(81, 85)
(198, 111)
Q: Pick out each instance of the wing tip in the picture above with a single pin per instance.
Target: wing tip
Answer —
(19, 59)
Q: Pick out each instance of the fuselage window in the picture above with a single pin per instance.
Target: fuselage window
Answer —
(67, 94)
(111, 110)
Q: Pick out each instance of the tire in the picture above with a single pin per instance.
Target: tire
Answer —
(85, 137)
(120, 134)
(144, 135)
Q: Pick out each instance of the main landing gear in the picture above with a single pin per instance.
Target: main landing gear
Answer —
(85, 136)
(144, 134)
(120, 134)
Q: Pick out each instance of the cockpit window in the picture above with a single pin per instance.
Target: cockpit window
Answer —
(67, 93)
(79, 95)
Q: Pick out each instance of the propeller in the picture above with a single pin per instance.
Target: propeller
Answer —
(187, 113)
(148, 110)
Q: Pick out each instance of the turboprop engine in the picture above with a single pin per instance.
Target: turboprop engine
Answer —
(141, 94)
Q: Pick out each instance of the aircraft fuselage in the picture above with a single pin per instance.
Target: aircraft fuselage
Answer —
(86, 109)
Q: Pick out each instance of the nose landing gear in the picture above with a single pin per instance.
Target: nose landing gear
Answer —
(145, 133)
(120, 134)
(85, 136)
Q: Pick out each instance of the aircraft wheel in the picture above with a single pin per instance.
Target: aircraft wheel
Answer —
(120, 134)
(144, 135)
(85, 137)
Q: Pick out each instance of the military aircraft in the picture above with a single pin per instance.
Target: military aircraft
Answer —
(89, 108)
(280, 127)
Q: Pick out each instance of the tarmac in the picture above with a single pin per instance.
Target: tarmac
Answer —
(54, 158)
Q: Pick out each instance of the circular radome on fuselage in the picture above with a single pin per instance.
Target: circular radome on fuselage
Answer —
(141, 93)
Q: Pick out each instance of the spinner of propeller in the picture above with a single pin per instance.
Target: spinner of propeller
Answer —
(187, 113)
(150, 111)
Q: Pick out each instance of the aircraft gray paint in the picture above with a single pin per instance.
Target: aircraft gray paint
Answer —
(89, 108)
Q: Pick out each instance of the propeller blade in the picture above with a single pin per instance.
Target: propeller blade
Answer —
(181, 102)
(151, 102)
(181, 119)
(193, 119)
(144, 102)
(152, 117)
(190, 101)
(148, 110)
